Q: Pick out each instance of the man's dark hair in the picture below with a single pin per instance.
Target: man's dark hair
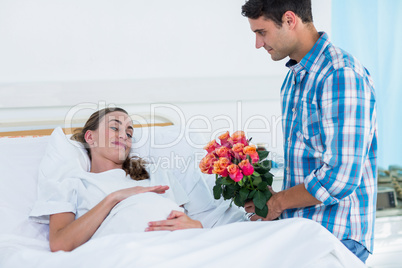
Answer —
(274, 9)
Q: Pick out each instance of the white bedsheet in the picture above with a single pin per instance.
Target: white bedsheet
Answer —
(23, 243)
(285, 243)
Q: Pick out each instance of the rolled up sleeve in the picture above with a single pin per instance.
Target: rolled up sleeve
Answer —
(345, 133)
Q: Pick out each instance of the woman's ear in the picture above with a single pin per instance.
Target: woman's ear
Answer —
(89, 137)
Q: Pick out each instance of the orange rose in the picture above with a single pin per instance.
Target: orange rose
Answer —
(239, 137)
(211, 146)
(238, 151)
(224, 139)
(223, 152)
(207, 163)
(251, 150)
(220, 167)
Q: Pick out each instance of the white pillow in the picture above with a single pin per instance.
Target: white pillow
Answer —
(19, 162)
(164, 147)
(62, 155)
(151, 144)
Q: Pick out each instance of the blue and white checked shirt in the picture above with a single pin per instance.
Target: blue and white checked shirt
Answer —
(330, 131)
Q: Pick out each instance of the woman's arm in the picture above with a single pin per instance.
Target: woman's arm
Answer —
(66, 233)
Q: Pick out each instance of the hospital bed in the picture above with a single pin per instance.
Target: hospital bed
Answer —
(230, 242)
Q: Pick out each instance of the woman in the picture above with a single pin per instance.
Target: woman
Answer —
(107, 136)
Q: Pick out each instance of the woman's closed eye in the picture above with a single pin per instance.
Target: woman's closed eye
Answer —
(128, 133)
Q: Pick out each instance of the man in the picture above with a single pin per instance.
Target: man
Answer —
(329, 125)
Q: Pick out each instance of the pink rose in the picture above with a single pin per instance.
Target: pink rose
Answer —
(246, 167)
(235, 172)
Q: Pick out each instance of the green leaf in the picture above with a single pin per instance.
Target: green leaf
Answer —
(251, 194)
(256, 174)
(268, 178)
(263, 186)
(259, 200)
(267, 194)
(238, 201)
(262, 212)
(227, 181)
(266, 164)
(217, 191)
(243, 193)
(257, 181)
(260, 170)
(229, 191)
(262, 154)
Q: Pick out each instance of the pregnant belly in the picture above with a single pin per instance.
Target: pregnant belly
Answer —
(134, 213)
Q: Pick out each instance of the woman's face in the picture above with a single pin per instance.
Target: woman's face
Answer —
(113, 138)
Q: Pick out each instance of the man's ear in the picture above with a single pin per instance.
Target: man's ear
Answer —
(289, 19)
(89, 137)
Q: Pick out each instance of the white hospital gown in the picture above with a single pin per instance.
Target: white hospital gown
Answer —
(83, 191)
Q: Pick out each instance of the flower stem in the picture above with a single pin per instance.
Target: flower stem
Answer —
(251, 182)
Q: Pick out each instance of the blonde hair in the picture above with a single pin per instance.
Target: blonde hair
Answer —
(133, 166)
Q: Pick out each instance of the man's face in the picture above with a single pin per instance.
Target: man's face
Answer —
(276, 40)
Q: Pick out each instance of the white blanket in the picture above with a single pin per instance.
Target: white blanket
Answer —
(133, 214)
(284, 243)
(23, 243)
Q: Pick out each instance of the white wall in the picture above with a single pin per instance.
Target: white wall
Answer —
(58, 40)
(198, 56)
(322, 15)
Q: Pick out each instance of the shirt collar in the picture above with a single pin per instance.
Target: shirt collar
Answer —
(311, 57)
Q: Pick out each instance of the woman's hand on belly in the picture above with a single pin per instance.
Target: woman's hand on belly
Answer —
(176, 220)
(125, 193)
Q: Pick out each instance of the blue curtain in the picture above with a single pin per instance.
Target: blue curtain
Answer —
(371, 30)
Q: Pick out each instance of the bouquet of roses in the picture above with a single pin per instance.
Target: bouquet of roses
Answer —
(242, 172)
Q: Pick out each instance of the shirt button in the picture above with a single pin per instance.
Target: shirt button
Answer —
(287, 169)
(294, 110)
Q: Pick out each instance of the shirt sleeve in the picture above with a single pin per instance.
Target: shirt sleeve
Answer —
(346, 131)
(55, 197)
